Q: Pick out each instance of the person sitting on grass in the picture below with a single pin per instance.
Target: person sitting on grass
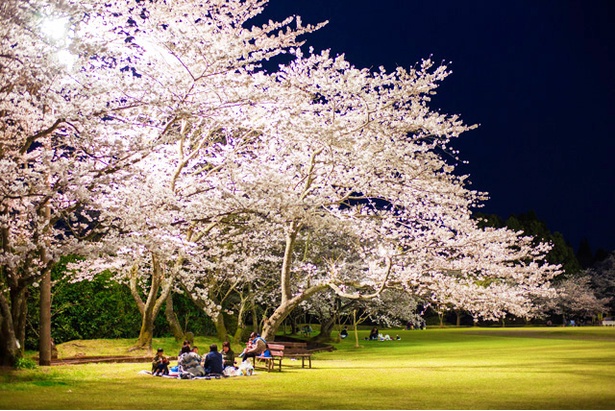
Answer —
(213, 361)
(256, 346)
(373, 335)
(160, 364)
(190, 363)
(344, 332)
(228, 356)
(185, 349)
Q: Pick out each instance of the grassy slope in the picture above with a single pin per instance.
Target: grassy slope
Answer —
(472, 368)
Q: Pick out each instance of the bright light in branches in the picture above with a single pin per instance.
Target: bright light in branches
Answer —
(55, 28)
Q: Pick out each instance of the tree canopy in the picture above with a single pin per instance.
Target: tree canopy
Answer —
(167, 152)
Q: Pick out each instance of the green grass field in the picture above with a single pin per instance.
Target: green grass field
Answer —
(468, 368)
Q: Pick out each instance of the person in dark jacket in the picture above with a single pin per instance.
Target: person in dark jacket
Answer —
(160, 363)
(228, 356)
(213, 361)
(373, 335)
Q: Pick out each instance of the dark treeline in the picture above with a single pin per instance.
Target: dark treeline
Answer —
(584, 262)
(562, 252)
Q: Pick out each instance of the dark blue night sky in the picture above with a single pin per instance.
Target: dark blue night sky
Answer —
(538, 76)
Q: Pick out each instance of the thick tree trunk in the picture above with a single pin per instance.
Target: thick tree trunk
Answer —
(325, 330)
(172, 319)
(238, 337)
(271, 324)
(44, 343)
(285, 280)
(147, 332)
(221, 331)
(274, 321)
(19, 314)
(238, 334)
(10, 350)
(150, 308)
(287, 303)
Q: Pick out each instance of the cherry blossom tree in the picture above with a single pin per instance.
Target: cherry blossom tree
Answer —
(603, 280)
(391, 308)
(240, 259)
(165, 132)
(122, 81)
(491, 273)
(358, 152)
(196, 79)
(51, 160)
(576, 299)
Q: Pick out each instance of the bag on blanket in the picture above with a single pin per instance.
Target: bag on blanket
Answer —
(245, 368)
(231, 371)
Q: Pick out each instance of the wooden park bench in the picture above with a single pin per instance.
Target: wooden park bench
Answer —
(277, 353)
(298, 350)
(281, 350)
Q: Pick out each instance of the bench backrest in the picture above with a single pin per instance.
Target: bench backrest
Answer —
(276, 350)
(293, 344)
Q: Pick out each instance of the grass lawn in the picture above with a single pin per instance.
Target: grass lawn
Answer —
(468, 368)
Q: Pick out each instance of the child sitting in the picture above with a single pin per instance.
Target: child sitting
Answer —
(160, 364)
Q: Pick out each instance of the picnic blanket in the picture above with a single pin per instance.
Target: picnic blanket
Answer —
(244, 369)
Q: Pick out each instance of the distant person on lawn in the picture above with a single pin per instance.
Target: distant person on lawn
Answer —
(373, 335)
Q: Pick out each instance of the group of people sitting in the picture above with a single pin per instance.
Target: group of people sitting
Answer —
(214, 363)
(375, 335)
(191, 362)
